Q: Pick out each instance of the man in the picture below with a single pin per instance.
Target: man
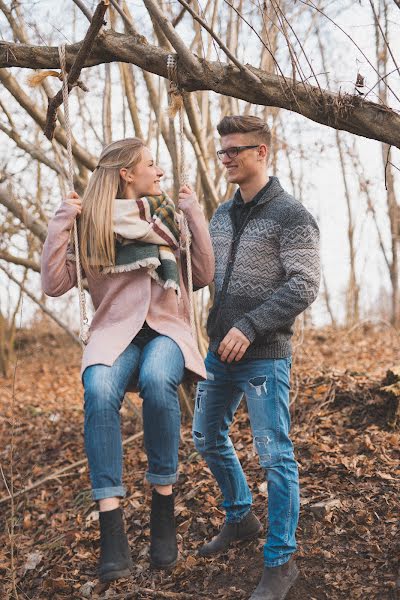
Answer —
(266, 247)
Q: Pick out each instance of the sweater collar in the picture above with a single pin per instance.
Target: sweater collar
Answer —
(272, 189)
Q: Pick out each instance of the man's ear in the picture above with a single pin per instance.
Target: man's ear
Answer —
(263, 151)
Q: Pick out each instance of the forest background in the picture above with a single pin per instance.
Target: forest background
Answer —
(325, 75)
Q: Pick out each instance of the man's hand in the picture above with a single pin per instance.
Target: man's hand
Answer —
(233, 346)
(74, 200)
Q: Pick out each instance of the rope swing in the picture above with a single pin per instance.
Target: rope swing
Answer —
(176, 106)
(83, 320)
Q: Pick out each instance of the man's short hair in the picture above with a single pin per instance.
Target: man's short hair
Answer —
(246, 124)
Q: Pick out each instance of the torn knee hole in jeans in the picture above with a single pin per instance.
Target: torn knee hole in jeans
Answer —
(200, 439)
(259, 384)
(200, 398)
(262, 445)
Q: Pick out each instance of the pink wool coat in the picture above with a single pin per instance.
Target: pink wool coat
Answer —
(124, 301)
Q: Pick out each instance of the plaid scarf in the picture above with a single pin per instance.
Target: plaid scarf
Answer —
(146, 236)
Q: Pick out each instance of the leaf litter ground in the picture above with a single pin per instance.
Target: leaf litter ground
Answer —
(347, 446)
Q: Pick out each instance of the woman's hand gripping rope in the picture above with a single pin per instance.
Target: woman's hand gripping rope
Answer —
(74, 200)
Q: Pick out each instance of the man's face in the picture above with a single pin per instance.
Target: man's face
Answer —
(248, 163)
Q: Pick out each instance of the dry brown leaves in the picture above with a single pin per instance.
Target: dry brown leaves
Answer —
(348, 455)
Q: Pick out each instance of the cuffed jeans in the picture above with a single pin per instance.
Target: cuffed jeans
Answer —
(158, 367)
(266, 384)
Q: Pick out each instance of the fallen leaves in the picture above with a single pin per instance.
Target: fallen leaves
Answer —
(348, 456)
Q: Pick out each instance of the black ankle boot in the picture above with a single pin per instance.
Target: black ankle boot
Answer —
(115, 556)
(163, 546)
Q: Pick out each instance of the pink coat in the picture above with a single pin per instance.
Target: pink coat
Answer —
(123, 301)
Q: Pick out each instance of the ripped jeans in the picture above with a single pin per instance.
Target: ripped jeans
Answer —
(266, 384)
(156, 363)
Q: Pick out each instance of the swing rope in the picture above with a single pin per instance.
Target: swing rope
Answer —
(83, 321)
(176, 106)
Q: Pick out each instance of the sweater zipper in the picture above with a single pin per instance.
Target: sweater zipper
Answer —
(231, 260)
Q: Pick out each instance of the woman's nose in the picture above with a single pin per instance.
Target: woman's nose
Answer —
(160, 172)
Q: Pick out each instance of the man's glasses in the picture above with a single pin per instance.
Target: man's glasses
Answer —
(233, 151)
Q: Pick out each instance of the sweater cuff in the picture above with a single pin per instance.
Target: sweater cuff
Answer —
(246, 327)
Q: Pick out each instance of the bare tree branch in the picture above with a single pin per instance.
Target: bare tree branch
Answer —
(31, 107)
(76, 68)
(82, 6)
(339, 111)
(188, 59)
(41, 305)
(34, 225)
(17, 260)
(220, 43)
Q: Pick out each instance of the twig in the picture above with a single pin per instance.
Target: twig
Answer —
(384, 36)
(18, 260)
(310, 4)
(372, 321)
(220, 43)
(158, 594)
(185, 55)
(56, 474)
(73, 75)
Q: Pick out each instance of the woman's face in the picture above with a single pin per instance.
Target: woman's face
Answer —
(144, 178)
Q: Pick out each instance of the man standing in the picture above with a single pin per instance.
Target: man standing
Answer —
(266, 247)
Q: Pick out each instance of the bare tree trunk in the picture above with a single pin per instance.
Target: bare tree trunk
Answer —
(381, 39)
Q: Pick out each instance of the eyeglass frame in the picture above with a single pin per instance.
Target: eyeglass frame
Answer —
(238, 149)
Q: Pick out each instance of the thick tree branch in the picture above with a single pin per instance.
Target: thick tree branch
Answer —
(76, 68)
(339, 111)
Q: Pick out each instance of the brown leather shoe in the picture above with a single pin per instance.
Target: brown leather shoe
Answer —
(247, 528)
(276, 582)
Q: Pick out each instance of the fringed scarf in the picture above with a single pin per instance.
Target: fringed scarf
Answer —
(146, 236)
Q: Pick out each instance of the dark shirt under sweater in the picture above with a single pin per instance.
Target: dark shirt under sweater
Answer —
(240, 208)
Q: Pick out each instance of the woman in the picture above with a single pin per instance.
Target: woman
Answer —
(140, 334)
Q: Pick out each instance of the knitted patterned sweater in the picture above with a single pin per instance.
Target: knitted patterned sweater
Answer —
(266, 273)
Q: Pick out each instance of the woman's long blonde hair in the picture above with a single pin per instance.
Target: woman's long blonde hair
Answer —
(97, 242)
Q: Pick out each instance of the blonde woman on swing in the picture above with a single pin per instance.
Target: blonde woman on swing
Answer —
(140, 336)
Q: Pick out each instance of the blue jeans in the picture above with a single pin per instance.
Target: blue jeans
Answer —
(266, 384)
(158, 368)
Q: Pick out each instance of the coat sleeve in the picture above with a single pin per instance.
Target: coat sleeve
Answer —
(57, 271)
(202, 253)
